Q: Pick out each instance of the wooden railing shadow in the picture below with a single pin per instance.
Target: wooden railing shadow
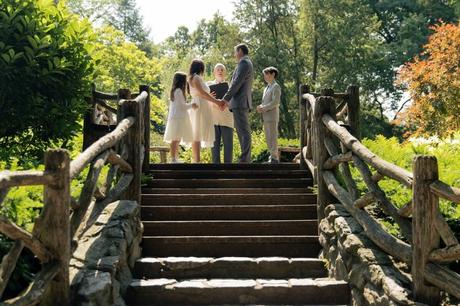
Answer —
(330, 147)
(63, 218)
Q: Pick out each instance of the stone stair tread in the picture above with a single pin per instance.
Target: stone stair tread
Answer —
(239, 291)
(228, 212)
(230, 227)
(236, 206)
(247, 190)
(229, 267)
(227, 283)
(231, 183)
(229, 173)
(219, 246)
(174, 259)
(231, 234)
(205, 199)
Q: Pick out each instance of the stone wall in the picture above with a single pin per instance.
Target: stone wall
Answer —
(100, 268)
(373, 276)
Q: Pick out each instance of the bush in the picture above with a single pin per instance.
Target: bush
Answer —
(44, 74)
(402, 154)
(121, 64)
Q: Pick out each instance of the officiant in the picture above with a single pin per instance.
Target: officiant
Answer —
(223, 119)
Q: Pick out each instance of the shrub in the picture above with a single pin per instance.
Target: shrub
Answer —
(402, 154)
(44, 74)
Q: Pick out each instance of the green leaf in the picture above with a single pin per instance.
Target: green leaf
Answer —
(19, 27)
(29, 51)
(32, 42)
(6, 58)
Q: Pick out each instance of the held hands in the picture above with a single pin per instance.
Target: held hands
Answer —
(259, 109)
(222, 105)
(194, 106)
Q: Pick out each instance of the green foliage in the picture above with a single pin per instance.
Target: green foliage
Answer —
(365, 42)
(259, 150)
(121, 64)
(123, 15)
(22, 206)
(45, 67)
(270, 28)
(402, 154)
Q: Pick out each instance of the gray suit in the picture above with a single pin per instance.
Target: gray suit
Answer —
(270, 114)
(240, 97)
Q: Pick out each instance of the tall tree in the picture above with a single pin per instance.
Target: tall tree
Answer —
(129, 20)
(123, 15)
(269, 28)
(433, 81)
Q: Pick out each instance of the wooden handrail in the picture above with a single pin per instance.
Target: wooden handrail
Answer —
(427, 226)
(123, 150)
(25, 178)
(104, 96)
(399, 174)
(106, 142)
(310, 98)
(15, 232)
(373, 229)
(445, 191)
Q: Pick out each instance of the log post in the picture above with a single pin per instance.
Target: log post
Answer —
(425, 237)
(353, 110)
(146, 119)
(132, 145)
(123, 94)
(303, 89)
(324, 105)
(88, 138)
(52, 228)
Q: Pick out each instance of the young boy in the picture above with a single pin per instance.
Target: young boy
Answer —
(270, 112)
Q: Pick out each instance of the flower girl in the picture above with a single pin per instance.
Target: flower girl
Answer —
(179, 127)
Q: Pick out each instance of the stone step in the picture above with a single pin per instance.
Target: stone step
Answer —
(219, 174)
(304, 291)
(227, 199)
(223, 246)
(231, 183)
(250, 166)
(229, 267)
(230, 227)
(302, 190)
(228, 212)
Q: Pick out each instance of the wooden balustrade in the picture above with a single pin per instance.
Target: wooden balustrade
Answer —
(329, 147)
(63, 219)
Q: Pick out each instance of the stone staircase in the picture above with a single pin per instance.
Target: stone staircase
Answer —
(240, 234)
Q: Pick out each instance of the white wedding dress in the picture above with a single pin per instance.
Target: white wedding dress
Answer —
(202, 122)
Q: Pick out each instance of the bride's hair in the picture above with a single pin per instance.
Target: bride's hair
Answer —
(196, 67)
(179, 81)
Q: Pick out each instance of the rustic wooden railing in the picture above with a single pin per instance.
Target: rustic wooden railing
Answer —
(330, 145)
(64, 218)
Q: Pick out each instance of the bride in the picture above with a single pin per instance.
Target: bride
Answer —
(202, 123)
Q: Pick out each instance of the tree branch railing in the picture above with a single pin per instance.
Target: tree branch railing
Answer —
(330, 147)
(63, 219)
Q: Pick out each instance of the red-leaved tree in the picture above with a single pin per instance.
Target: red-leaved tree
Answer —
(433, 81)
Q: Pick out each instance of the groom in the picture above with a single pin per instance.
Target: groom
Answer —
(239, 100)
